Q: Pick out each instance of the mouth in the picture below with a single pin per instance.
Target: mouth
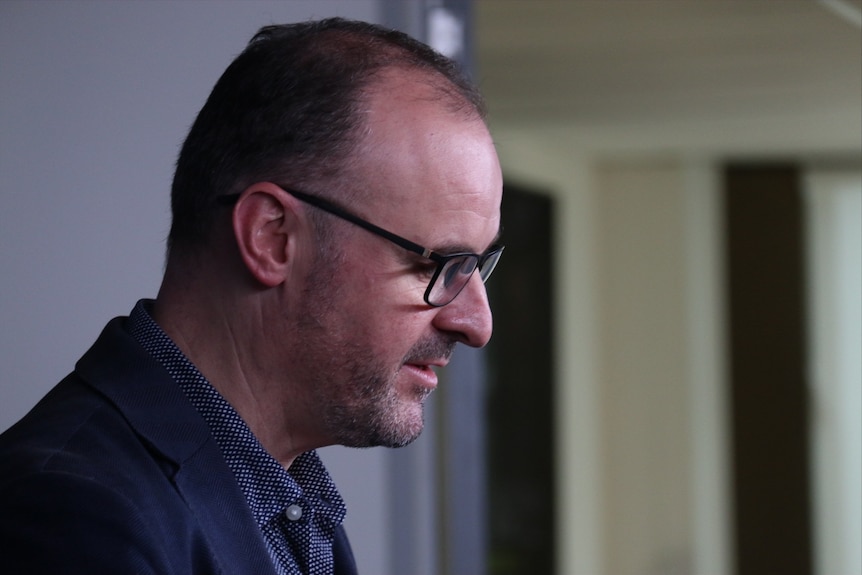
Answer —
(425, 372)
(424, 361)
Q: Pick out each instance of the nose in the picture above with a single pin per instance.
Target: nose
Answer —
(468, 316)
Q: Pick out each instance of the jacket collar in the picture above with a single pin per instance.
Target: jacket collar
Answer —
(160, 413)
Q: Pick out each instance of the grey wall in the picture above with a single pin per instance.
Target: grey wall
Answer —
(95, 99)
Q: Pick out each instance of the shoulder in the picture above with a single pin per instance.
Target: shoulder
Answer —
(59, 522)
(71, 430)
(114, 471)
(82, 492)
(73, 455)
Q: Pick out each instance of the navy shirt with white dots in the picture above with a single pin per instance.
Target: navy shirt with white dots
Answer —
(297, 509)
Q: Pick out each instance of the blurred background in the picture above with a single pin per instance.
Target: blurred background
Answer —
(675, 381)
(693, 168)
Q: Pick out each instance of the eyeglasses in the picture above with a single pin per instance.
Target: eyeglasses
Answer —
(453, 270)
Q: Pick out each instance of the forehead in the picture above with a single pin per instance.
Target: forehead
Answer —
(429, 170)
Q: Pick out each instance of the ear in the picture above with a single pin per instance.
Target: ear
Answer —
(265, 225)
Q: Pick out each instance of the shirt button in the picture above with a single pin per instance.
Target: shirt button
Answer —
(293, 512)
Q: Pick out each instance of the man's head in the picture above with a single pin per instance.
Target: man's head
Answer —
(348, 163)
(291, 108)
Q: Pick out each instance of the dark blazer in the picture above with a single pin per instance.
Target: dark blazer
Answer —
(114, 472)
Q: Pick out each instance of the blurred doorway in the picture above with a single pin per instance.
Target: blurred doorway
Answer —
(520, 430)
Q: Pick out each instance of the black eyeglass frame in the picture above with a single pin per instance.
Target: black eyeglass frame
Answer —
(492, 255)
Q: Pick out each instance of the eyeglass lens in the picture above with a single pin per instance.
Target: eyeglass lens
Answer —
(455, 274)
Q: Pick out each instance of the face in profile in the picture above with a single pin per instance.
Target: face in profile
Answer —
(370, 342)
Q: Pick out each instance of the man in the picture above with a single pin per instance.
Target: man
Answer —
(331, 205)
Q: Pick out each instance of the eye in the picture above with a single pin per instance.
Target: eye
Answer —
(456, 268)
(425, 269)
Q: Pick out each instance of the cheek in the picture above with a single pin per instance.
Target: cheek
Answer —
(397, 287)
(387, 332)
(383, 333)
(381, 306)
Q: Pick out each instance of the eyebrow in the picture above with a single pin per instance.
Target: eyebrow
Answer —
(449, 249)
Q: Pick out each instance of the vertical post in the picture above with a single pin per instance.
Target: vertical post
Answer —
(462, 399)
(445, 469)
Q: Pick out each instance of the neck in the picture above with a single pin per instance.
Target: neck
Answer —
(223, 335)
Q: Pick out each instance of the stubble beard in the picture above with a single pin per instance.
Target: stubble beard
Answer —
(369, 409)
(357, 394)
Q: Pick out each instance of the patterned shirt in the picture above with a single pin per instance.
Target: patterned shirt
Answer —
(297, 509)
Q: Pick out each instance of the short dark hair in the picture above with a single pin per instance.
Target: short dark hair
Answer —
(287, 110)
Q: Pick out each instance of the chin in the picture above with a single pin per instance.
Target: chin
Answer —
(402, 440)
(404, 428)
(404, 434)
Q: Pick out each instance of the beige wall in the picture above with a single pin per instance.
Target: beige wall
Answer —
(644, 420)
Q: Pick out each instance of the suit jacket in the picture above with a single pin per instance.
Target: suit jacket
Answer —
(114, 472)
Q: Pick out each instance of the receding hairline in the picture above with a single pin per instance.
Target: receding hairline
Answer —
(439, 90)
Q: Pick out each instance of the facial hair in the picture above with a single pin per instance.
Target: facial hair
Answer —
(369, 409)
(355, 392)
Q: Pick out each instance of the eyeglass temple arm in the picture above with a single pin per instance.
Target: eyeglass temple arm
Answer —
(231, 199)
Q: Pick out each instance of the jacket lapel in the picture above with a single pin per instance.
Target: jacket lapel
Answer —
(160, 413)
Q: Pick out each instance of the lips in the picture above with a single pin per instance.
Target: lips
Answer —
(426, 356)
(424, 373)
(429, 363)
